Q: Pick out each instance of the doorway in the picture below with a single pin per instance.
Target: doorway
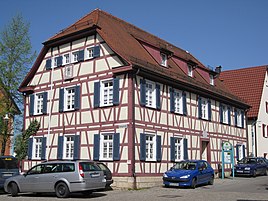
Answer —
(205, 151)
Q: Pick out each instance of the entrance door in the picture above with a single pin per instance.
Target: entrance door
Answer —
(205, 150)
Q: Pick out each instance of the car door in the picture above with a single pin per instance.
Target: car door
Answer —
(31, 180)
(261, 166)
(201, 172)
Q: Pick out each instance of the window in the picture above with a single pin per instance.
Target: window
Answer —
(204, 107)
(92, 52)
(69, 99)
(190, 71)
(163, 59)
(37, 148)
(266, 106)
(106, 93)
(178, 149)
(178, 102)
(75, 57)
(240, 151)
(107, 146)
(150, 94)
(57, 61)
(66, 58)
(38, 104)
(68, 152)
(239, 118)
(264, 130)
(211, 79)
(225, 114)
(150, 147)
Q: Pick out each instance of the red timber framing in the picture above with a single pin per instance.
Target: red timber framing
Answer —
(141, 138)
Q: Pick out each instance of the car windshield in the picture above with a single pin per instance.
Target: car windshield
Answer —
(8, 163)
(185, 165)
(248, 161)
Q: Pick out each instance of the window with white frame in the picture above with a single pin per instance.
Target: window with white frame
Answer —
(163, 59)
(239, 118)
(150, 148)
(37, 148)
(89, 53)
(225, 114)
(204, 108)
(106, 93)
(69, 98)
(211, 79)
(178, 149)
(150, 94)
(190, 71)
(75, 56)
(66, 59)
(106, 147)
(178, 101)
(68, 151)
(38, 103)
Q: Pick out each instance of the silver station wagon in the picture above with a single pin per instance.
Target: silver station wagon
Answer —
(61, 177)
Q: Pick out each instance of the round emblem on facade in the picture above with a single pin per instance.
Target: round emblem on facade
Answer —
(226, 146)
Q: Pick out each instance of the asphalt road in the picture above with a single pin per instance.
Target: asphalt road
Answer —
(237, 189)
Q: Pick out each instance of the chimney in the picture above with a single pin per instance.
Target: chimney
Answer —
(218, 69)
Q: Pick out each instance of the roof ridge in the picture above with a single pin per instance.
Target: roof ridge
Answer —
(247, 68)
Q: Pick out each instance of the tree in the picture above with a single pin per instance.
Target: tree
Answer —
(21, 140)
(15, 58)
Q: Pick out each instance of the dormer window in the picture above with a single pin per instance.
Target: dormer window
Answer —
(190, 71)
(211, 79)
(163, 59)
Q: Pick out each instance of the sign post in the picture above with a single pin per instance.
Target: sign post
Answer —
(227, 157)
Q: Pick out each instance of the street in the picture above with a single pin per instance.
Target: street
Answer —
(237, 189)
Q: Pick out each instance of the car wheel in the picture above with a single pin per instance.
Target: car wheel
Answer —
(62, 190)
(211, 181)
(193, 183)
(14, 189)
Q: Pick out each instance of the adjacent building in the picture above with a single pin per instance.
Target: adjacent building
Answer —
(105, 90)
(251, 84)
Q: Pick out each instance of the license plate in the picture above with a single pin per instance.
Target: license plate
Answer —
(174, 184)
(240, 171)
(93, 175)
(7, 175)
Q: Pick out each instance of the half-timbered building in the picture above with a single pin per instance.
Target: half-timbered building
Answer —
(108, 91)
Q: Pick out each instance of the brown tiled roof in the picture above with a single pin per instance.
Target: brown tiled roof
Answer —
(247, 83)
(127, 40)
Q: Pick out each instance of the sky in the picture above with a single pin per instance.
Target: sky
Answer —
(230, 33)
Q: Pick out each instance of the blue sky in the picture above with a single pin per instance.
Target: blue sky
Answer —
(230, 33)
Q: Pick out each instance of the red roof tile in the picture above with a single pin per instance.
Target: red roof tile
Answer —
(247, 83)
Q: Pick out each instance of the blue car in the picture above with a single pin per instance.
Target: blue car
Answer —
(251, 166)
(189, 173)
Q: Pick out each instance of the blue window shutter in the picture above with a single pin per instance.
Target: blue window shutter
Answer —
(142, 147)
(209, 109)
(44, 103)
(30, 148)
(59, 61)
(77, 100)
(80, 55)
(185, 149)
(244, 151)
(31, 109)
(221, 114)
(96, 94)
(61, 101)
(172, 100)
(172, 149)
(96, 51)
(158, 148)
(60, 147)
(235, 113)
(48, 64)
(116, 91)
(199, 108)
(237, 151)
(116, 147)
(157, 88)
(44, 146)
(229, 115)
(184, 103)
(96, 154)
(77, 147)
(143, 92)
(242, 118)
